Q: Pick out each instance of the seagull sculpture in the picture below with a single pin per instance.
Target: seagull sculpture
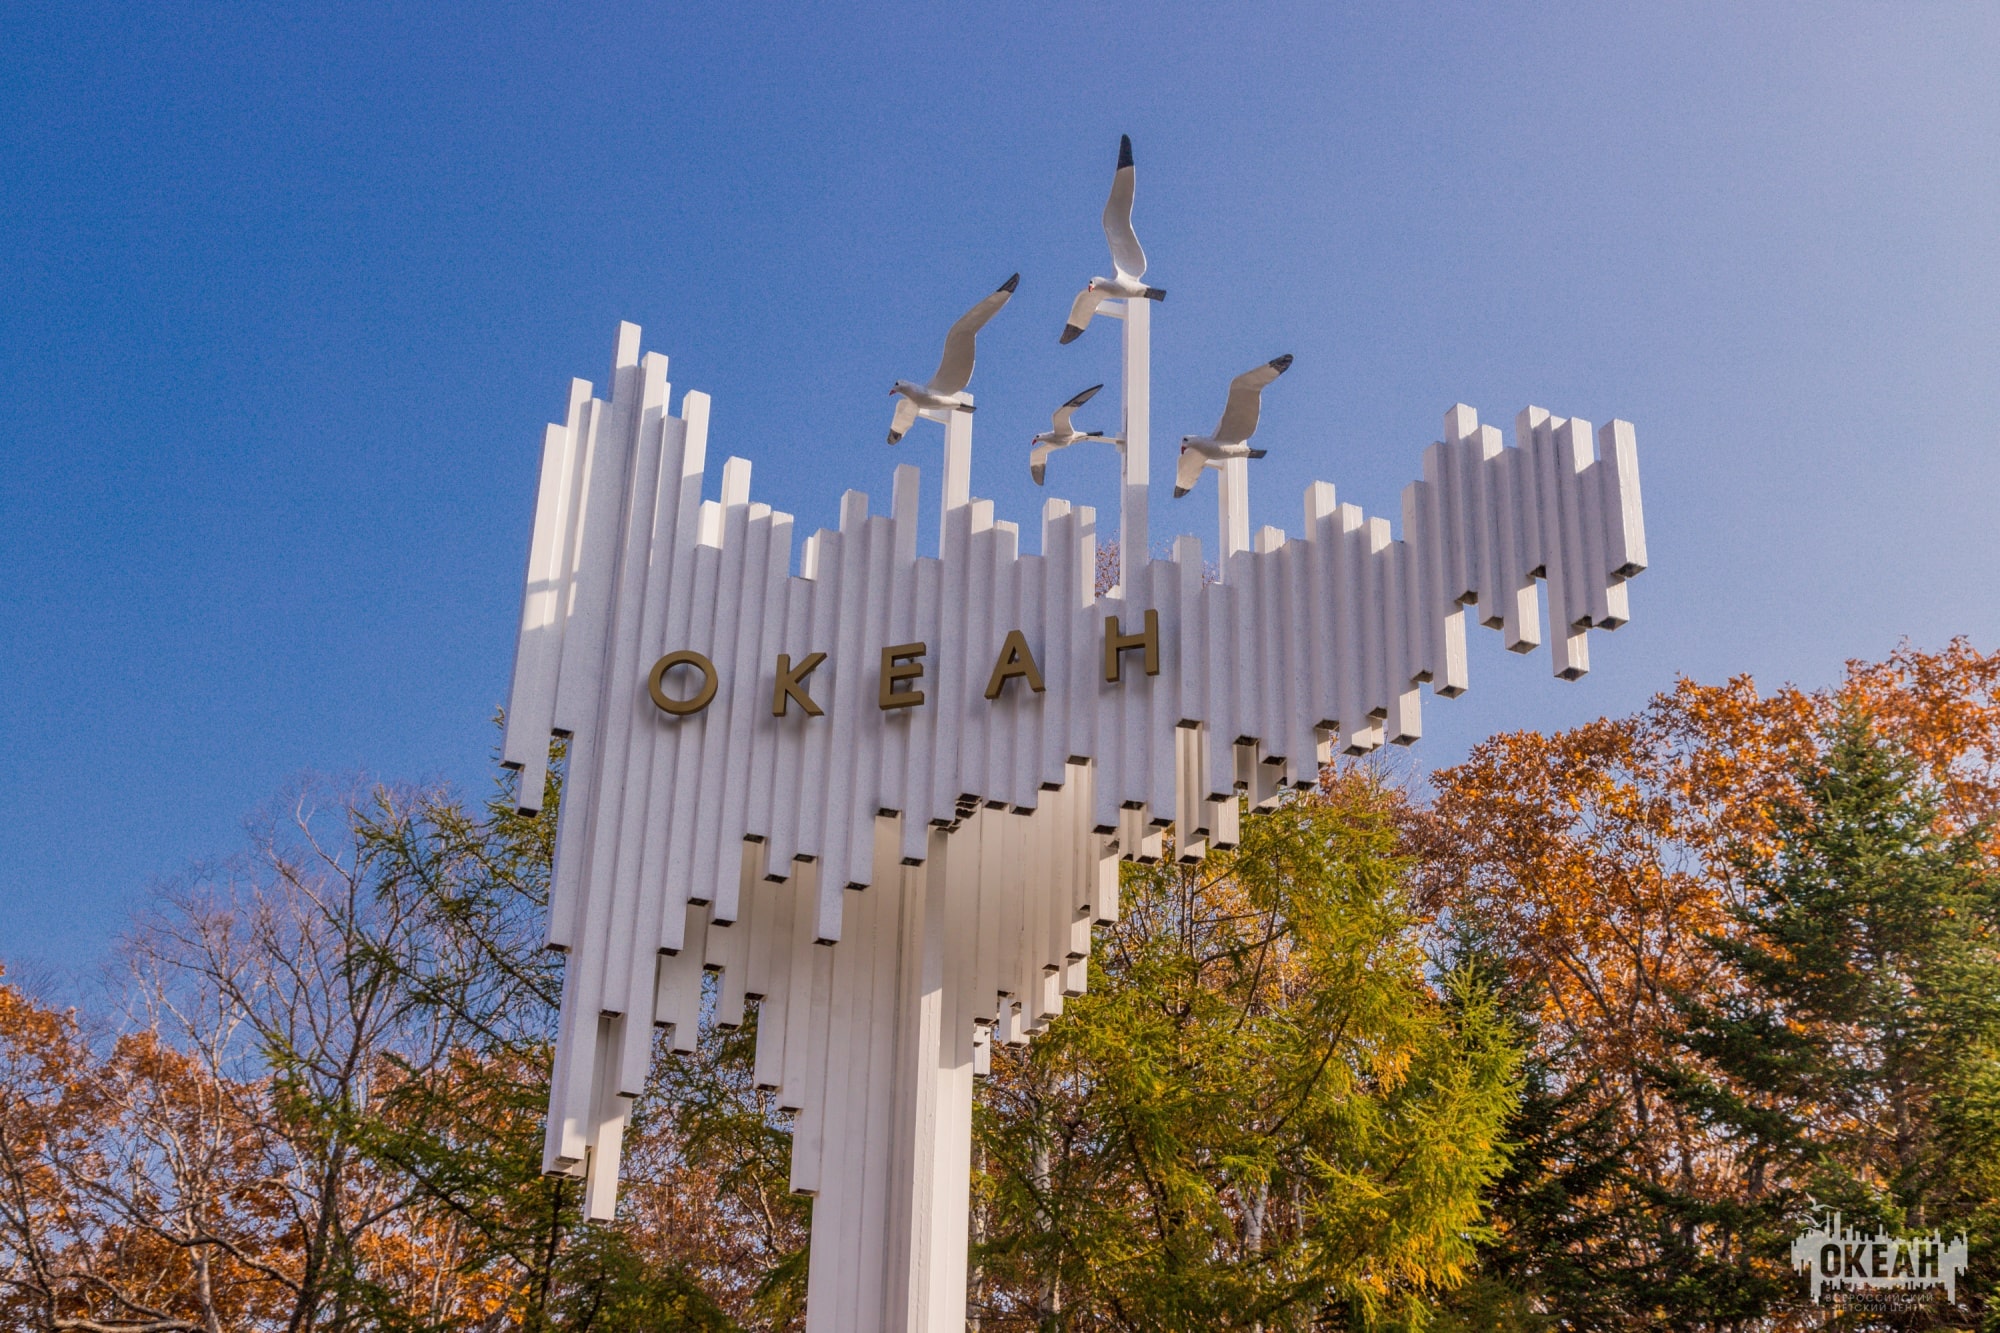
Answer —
(946, 390)
(1128, 261)
(1062, 435)
(1233, 432)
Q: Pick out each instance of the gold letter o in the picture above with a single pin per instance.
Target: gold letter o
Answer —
(682, 707)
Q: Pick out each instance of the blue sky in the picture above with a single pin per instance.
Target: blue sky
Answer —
(286, 294)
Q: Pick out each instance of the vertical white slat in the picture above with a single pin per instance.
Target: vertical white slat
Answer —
(656, 908)
(684, 459)
(885, 1078)
(1030, 708)
(1375, 634)
(842, 1170)
(839, 788)
(1423, 595)
(869, 794)
(1219, 618)
(1322, 693)
(1404, 725)
(1521, 623)
(982, 638)
(781, 776)
(729, 945)
(1622, 528)
(1246, 665)
(988, 893)
(1081, 840)
(1190, 825)
(531, 693)
(1051, 873)
(767, 732)
(999, 717)
(1017, 958)
(828, 589)
(1625, 527)
(770, 978)
(897, 627)
(1103, 718)
(1572, 439)
(1191, 705)
(593, 556)
(1104, 893)
(1482, 447)
(1163, 710)
(798, 983)
(726, 643)
(1273, 597)
(1350, 621)
(682, 806)
(748, 705)
(1086, 642)
(1134, 695)
(871, 938)
(564, 1133)
(1301, 738)
(1058, 623)
(610, 1114)
(944, 666)
(1461, 538)
(809, 1131)
(920, 724)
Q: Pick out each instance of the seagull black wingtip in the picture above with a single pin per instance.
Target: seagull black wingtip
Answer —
(1282, 364)
(1156, 293)
(1070, 333)
(1011, 283)
(1124, 151)
(1179, 491)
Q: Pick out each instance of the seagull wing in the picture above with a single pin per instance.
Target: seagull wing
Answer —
(1246, 395)
(1189, 471)
(906, 417)
(1038, 461)
(1125, 251)
(1068, 409)
(1080, 311)
(954, 372)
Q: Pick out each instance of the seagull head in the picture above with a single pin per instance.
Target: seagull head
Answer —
(903, 387)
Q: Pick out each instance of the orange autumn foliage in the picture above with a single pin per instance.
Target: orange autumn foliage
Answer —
(1588, 865)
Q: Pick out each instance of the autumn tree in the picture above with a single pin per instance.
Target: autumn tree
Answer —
(1593, 871)
(325, 1111)
(1849, 1061)
(1262, 1115)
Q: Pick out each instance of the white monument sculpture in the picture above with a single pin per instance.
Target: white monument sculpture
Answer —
(883, 795)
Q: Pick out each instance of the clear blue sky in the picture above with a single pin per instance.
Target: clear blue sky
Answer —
(287, 292)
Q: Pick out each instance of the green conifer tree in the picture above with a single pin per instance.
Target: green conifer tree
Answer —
(1851, 1065)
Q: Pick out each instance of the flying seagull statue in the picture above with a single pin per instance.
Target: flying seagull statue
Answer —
(946, 390)
(1128, 261)
(1233, 432)
(1061, 435)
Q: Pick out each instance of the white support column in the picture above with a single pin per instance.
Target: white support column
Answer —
(1137, 451)
(957, 467)
(1232, 494)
